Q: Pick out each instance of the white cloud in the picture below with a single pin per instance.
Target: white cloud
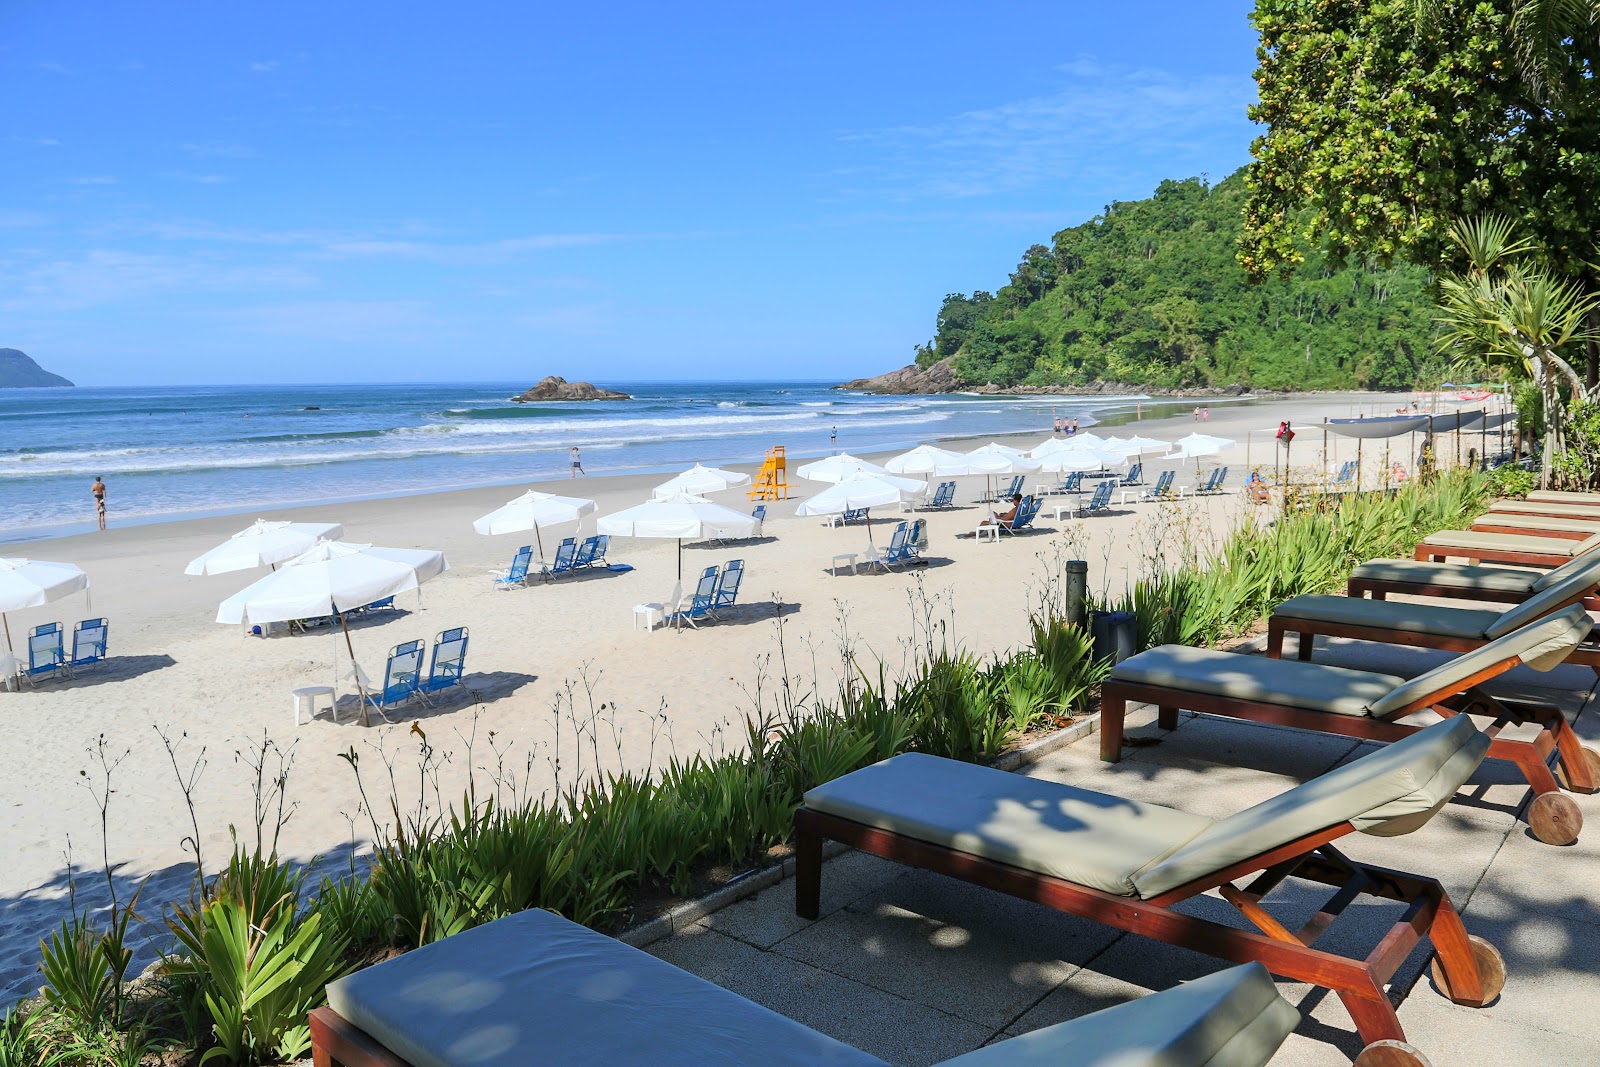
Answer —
(97, 277)
(20, 219)
(468, 253)
(93, 179)
(57, 68)
(199, 179)
(264, 66)
(42, 142)
(220, 149)
(339, 321)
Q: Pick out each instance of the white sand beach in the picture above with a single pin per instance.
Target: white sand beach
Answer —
(211, 688)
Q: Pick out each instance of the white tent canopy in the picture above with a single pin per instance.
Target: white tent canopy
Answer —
(31, 583)
(263, 544)
(331, 578)
(920, 460)
(682, 516)
(533, 511)
(699, 480)
(838, 468)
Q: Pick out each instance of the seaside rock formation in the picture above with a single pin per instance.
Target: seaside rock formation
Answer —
(17, 371)
(554, 387)
(936, 378)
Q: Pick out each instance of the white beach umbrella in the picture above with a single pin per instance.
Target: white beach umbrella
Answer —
(532, 511)
(920, 460)
(31, 583)
(838, 468)
(1086, 458)
(680, 516)
(1049, 446)
(1138, 445)
(263, 544)
(861, 491)
(1199, 444)
(699, 480)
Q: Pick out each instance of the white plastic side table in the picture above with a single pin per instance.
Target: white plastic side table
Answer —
(308, 696)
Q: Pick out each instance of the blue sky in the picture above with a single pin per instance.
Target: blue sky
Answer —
(201, 192)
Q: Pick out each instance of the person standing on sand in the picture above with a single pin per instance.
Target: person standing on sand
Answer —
(577, 462)
(99, 491)
(1073, 428)
(1196, 414)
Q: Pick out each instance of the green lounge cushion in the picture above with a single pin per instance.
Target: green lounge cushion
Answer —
(1392, 791)
(536, 988)
(1557, 496)
(1233, 1018)
(1553, 523)
(1312, 686)
(1546, 546)
(1517, 580)
(1585, 563)
(1078, 835)
(1535, 507)
(1425, 618)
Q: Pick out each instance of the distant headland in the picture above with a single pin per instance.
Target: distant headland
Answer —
(18, 371)
(555, 387)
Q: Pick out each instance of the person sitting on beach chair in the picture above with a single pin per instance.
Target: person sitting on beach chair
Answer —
(1005, 518)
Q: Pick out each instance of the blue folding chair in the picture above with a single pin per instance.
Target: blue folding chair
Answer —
(701, 604)
(585, 554)
(728, 585)
(566, 555)
(1101, 501)
(899, 550)
(1135, 473)
(449, 662)
(46, 657)
(518, 574)
(1162, 489)
(945, 496)
(853, 515)
(760, 515)
(1074, 483)
(917, 539)
(598, 557)
(1029, 509)
(402, 674)
(88, 644)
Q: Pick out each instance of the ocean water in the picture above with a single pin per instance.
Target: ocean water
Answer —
(176, 452)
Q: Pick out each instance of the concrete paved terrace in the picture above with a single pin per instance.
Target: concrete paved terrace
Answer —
(915, 967)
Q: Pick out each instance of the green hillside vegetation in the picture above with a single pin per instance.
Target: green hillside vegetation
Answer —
(1149, 293)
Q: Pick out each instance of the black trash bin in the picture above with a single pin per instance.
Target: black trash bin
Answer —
(1115, 634)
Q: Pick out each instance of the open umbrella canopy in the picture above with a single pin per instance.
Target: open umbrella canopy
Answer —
(699, 480)
(683, 515)
(862, 491)
(29, 583)
(263, 544)
(990, 459)
(1199, 444)
(838, 468)
(330, 578)
(1086, 458)
(1136, 445)
(532, 510)
(920, 460)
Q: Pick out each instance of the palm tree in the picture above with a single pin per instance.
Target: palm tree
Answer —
(1502, 311)
(1550, 35)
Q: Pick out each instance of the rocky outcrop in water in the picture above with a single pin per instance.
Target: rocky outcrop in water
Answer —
(17, 371)
(555, 387)
(935, 378)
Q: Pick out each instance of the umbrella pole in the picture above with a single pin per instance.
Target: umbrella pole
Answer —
(680, 559)
(8, 633)
(361, 690)
(539, 541)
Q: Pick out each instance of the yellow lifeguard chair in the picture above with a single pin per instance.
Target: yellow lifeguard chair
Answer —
(771, 482)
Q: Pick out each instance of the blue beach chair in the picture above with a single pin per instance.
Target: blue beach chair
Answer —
(1027, 511)
(1135, 474)
(449, 662)
(701, 604)
(1074, 482)
(1101, 501)
(728, 584)
(565, 557)
(518, 574)
(851, 515)
(402, 673)
(917, 539)
(46, 657)
(584, 556)
(1162, 489)
(899, 552)
(88, 644)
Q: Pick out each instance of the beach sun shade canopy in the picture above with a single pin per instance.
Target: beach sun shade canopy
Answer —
(1082, 459)
(838, 468)
(1136, 446)
(862, 491)
(683, 515)
(1199, 444)
(532, 510)
(920, 460)
(30, 583)
(263, 544)
(699, 480)
(990, 459)
(331, 578)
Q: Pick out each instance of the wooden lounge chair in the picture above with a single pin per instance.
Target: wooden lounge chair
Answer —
(1457, 581)
(1535, 507)
(1126, 863)
(1524, 549)
(1351, 703)
(1557, 496)
(534, 988)
(1503, 522)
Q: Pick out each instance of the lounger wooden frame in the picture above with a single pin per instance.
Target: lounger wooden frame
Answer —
(1553, 817)
(1537, 507)
(1278, 626)
(1486, 524)
(1468, 968)
(1380, 588)
(334, 1040)
(1441, 553)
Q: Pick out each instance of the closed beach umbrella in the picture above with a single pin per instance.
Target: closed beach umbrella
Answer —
(331, 578)
(31, 583)
(531, 511)
(861, 491)
(698, 481)
(920, 460)
(263, 544)
(680, 516)
(838, 468)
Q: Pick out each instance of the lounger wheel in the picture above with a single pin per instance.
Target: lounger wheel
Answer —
(1491, 973)
(1555, 819)
(1391, 1054)
(1592, 758)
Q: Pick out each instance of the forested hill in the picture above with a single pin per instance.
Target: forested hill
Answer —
(1149, 294)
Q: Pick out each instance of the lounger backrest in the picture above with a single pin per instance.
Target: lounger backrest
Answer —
(601, 543)
(401, 672)
(519, 563)
(1164, 483)
(89, 640)
(44, 645)
(564, 554)
(1587, 564)
(449, 655)
(1135, 472)
(1542, 645)
(1587, 544)
(705, 594)
(1392, 791)
(585, 552)
(1102, 496)
(1568, 588)
(728, 584)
